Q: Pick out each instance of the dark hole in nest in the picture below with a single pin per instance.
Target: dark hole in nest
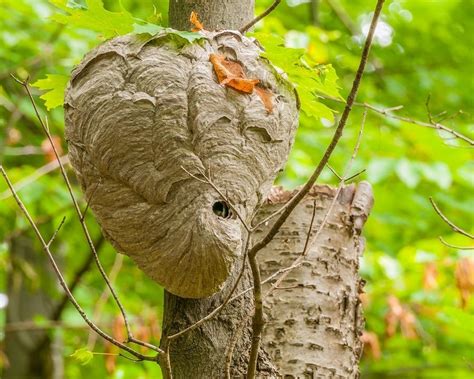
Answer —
(222, 209)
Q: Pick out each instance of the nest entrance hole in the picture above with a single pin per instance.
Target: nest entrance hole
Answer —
(222, 209)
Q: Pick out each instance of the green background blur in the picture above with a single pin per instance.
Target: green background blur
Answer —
(416, 327)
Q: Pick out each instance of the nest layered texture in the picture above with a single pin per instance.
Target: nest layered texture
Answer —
(145, 119)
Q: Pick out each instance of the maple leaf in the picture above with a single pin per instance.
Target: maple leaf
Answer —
(194, 19)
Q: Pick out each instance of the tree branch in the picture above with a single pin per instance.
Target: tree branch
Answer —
(269, 10)
(62, 282)
(337, 135)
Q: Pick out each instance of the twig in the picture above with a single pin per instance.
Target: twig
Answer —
(99, 304)
(386, 113)
(343, 17)
(231, 345)
(258, 316)
(443, 241)
(449, 222)
(269, 10)
(76, 204)
(62, 282)
(257, 320)
(76, 280)
(47, 168)
(216, 311)
(308, 244)
(337, 135)
(56, 231)
(208, 180)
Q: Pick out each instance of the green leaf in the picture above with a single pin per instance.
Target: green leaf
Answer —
(94, 17)
(82, 355)
(308, 81)
(147, 28)
(152, 29)
(55, 85)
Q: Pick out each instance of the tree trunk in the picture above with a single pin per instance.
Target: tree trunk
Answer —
(314, 316)
(32, 354)
(314, 321)
(214, 14)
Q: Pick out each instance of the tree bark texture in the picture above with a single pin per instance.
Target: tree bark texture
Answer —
(314, 316)
(31, 354)
(313, 320)
(214, 14)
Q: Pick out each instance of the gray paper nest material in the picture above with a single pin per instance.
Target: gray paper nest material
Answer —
(138, 112)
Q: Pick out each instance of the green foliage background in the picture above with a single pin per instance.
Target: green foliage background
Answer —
(423, 47)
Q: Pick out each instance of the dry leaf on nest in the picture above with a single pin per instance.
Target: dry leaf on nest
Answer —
(194, 19)
(232, 74)
(465, 279)
(266, 97)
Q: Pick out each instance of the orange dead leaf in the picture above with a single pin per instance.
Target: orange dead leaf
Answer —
(371, 344)
(408, 324)
(430, 276)
(465, 279)
(194, 19)
(266, 97)
(48, 149)
(399, 314)
(231, 74)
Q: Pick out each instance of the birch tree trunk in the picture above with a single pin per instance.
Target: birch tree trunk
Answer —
(314, 320)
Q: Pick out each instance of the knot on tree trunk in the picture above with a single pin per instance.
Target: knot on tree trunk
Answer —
(154, 136)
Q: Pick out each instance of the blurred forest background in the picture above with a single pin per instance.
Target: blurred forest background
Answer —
(420, 320)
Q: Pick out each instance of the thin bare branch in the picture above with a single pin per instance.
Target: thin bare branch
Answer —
(76, 280)
(335, 140)
(56, 231)
(453, 226)
(257, 320)
(443, 241)
(43, 170)
(228, 298)
(62, 282)
(269, 10)
(208, 180)
(85, 229)
(386, 112)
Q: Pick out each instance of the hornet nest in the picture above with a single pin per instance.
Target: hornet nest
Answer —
(150, 122)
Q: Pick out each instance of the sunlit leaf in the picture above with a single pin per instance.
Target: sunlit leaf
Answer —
(82, 355)
(54, 85)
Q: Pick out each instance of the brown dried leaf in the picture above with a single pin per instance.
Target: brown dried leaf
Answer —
(266, 97)
(231, 74)
(194, 19)
(399, 314)
(465, 279)
(408, 324)
(371, 344)
(430, 276)
(48, 149)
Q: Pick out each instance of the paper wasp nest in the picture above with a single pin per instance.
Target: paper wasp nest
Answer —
(146, 118)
